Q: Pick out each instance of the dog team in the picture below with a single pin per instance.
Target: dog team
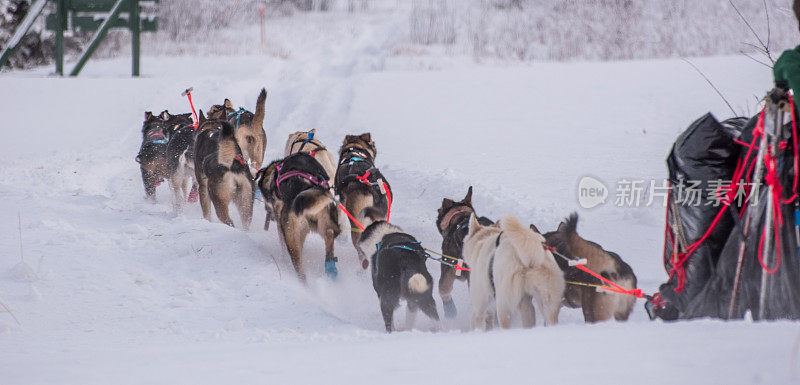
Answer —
(218, 158)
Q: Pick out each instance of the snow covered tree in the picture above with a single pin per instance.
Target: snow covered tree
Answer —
(34, 49)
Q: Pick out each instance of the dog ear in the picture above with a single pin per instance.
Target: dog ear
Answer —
(147, 115)
(165, 115)
(468, 199)
(367, 137)
(348, 139)
(228, 104)
(561, 226)
(535, 229)
(201, 118)
(447, 203)
(473, 224)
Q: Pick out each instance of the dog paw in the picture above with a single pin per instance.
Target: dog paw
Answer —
(330, 270)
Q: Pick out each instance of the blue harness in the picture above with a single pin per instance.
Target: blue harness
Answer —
(237, 114)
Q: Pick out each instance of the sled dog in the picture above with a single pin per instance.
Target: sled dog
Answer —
(362, 188)
(221, 172)
(297, 195)
(596, 306)
(248, 127)
(307, 142)
(152, 156)
(452, 222)
(511, 266)
(398, 271)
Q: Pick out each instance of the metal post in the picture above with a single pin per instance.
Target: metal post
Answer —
(758, 174)
(135, 35)
(762, 299)
(61, 21)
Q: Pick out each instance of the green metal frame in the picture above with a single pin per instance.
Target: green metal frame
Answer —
(82, 15)
(99, 36)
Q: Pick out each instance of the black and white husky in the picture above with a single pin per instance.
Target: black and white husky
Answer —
(398, 271)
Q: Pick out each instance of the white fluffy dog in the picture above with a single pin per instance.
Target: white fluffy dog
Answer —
(510, 265)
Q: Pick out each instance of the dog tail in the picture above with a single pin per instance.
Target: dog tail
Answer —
(373, 234)
(418, 284)
(569, 228)
(526, 243)
(259, 115)
(369, 214)
(311, 202)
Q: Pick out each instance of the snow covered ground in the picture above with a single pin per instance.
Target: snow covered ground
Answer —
(115, 289)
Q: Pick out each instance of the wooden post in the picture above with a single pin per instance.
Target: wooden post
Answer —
(135, 35)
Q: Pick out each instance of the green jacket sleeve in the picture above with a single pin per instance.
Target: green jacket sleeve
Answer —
(787, 69)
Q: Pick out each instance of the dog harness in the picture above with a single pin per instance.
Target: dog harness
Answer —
(238, 114)
(310, 139)
(404, 244)
(359, 161)
(491, 263)
(317, 181)
(157, 137)
(356, 162)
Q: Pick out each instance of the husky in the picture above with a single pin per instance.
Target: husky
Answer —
(452, 222)
(249, 127)
(297, 195)
(174, 122)
(152, 157)
(511, 266)
(180, 166)
(307, 142)
(221, 172)
(596, 306)
(362, 188)
(398, 271)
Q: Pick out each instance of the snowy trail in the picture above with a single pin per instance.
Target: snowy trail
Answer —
(116, 289)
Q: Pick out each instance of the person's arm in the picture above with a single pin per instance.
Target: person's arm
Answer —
(787, 70)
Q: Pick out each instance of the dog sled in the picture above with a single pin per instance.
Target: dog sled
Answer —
(733, 214)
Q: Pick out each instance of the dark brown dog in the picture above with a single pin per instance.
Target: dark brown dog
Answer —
(453, 222)
(597, 306)
(152, 157)
(221, 172)
(297, 196)
(362, 188)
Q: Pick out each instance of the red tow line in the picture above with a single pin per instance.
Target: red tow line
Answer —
(610, 285)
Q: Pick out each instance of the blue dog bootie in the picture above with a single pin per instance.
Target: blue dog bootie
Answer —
(450, 310)
(330, 267)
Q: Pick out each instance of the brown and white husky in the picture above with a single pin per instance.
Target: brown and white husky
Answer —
(364, 191)
(511, 267)
(307, 142)
(221, 172)
(248, 127)
(597, 306)
(297, 195)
